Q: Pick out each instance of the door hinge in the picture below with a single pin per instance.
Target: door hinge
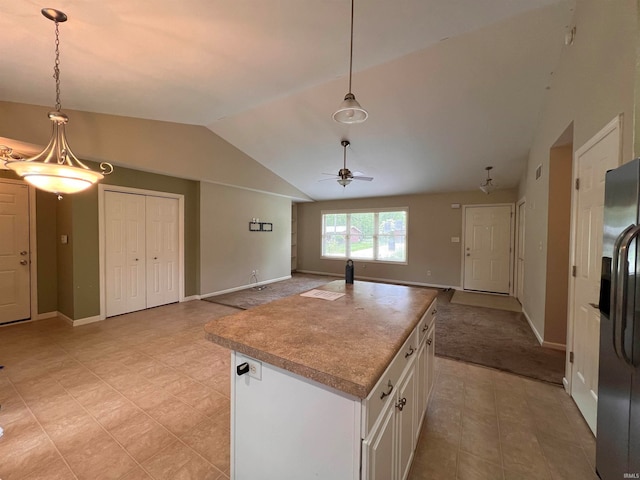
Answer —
(574, 271)
(570, 357)
(577, 184)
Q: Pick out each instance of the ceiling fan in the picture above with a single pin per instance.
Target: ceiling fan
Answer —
(345, 176)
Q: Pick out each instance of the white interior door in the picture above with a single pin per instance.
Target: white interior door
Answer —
(124, 253)
(162, 250)
(592, 162)
(14, 253)
(520, 252)
(487, 253)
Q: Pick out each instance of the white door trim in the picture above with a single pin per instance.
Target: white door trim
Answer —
(511, 240)
(614, 124)
(33, 244)
(101, 236)
(516, 246)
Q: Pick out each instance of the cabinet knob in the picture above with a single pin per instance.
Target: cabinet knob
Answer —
(23, 253)
(429, 341)
(23, 262)
(410, 352)
(434, 311)
(388, 392)
(425, 328)
(401, 403)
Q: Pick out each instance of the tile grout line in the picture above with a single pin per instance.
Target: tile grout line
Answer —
(62, 457)
(153, 419)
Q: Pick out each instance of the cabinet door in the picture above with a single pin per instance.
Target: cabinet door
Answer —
(379, 450)
(422, 391)
(407, 421)
(431, 353)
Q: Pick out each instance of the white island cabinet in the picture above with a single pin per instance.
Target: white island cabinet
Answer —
(287, 427)
(329, 390)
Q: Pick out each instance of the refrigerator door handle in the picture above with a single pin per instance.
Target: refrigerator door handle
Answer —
(615, 278)
(621, 284)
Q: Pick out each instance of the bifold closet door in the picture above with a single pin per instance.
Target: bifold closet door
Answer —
(125, 253)
(162, 250)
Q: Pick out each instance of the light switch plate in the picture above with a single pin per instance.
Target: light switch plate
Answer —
(64, 239)
(455, 239)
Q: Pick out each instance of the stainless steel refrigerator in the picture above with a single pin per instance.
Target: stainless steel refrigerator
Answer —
(618, 429)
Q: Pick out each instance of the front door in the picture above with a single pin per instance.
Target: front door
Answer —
(14, 253)
(592, 162)
(487, 248)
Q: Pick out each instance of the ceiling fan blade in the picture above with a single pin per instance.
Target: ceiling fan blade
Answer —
(332, 174)
(366, 179)
(325, 179)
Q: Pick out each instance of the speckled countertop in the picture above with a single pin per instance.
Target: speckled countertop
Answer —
(345, 344)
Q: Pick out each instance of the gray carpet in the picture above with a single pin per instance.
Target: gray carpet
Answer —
(252, 297)
(494, 338)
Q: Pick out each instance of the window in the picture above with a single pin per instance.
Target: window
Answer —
(373, 235)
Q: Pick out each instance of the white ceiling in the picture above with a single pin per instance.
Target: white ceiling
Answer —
(451, 86)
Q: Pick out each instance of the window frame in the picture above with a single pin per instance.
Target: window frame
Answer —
(376, 215)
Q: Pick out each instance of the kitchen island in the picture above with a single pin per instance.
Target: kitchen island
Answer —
(329, 389)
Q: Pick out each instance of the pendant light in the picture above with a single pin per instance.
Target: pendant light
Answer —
(350, 110)
(488, 186)
(56, 169)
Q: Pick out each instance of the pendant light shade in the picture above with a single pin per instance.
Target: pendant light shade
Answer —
(56, 169)
(487, 186)
(350, 110)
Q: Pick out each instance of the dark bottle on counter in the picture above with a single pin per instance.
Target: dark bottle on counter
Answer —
(348, 272)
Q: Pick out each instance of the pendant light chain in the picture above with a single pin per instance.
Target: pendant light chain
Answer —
(56, 69)
(351, 49)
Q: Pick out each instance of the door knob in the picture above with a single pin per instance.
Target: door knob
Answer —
(155, 258)
(23, 262)
(23, 252)
(468, 254)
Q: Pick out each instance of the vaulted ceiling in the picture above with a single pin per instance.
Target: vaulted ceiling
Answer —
(451, 86)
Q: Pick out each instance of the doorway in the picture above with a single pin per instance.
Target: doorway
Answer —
(591, 162)
(488, 233)
(141, 249)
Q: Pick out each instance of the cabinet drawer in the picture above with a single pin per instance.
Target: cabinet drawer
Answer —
(426, 322)
(386, 387)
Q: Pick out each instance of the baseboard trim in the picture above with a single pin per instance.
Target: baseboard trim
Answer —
(243, 287)
(44, 316)
(556, 346)
(385, 280)
(533, 328)
(190, 298)
(86, 320)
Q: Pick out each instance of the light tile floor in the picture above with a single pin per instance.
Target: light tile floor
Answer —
(145, 396)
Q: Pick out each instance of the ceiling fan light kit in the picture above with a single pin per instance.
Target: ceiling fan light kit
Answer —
(56, 169)
(487, 186)
(350, 110)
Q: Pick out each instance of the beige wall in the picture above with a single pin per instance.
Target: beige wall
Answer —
(559, 229)
(432, 223)
(183, 151)
(229, 252)
(593, 83)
